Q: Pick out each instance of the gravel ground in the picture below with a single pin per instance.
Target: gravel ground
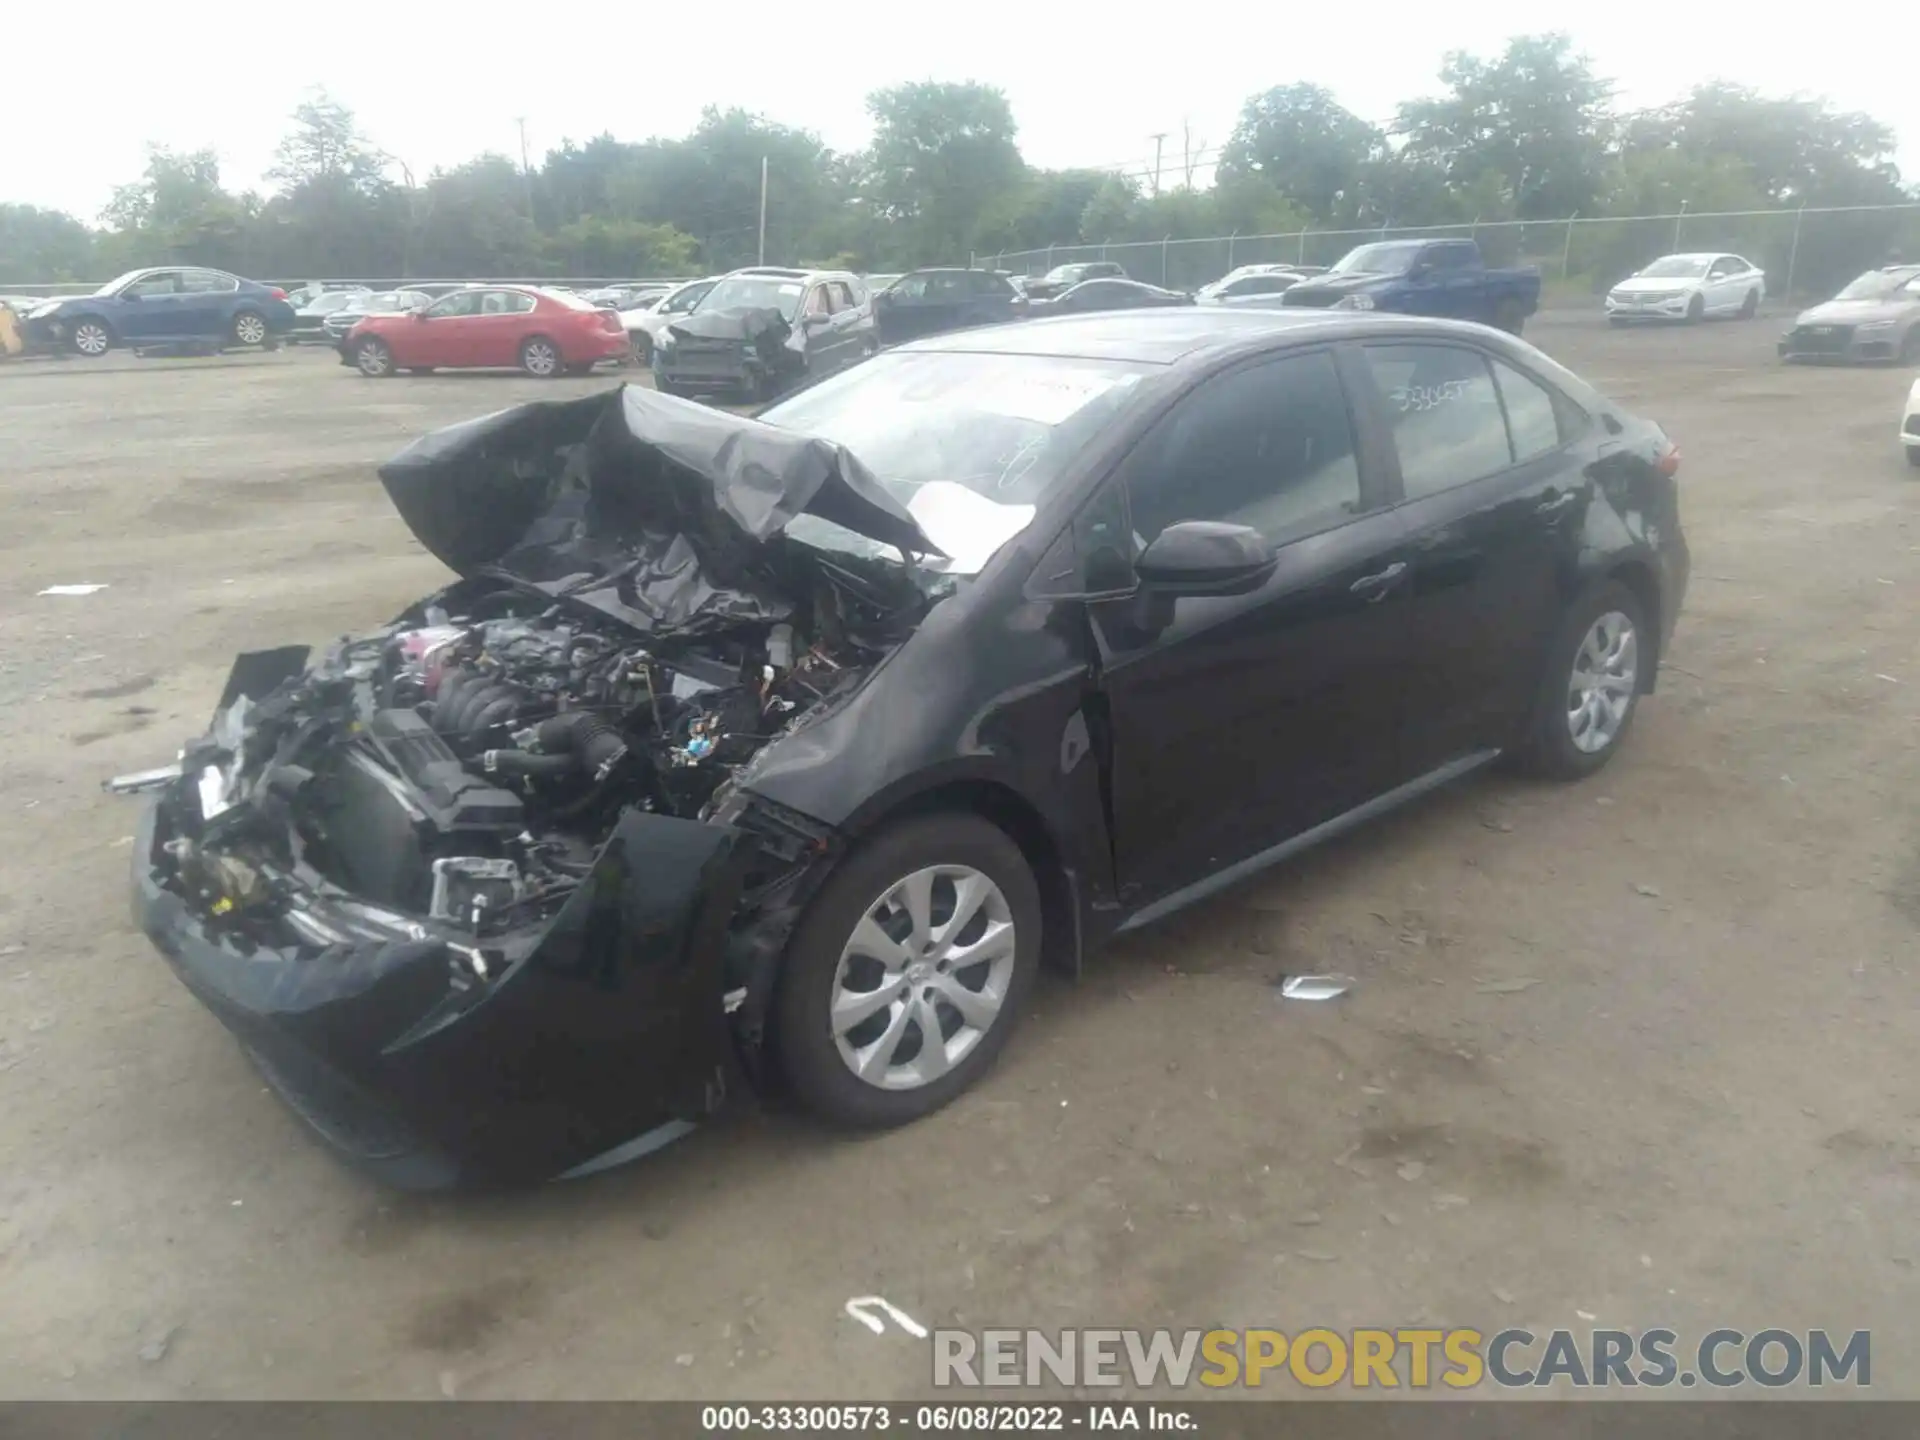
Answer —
(1691, 1113)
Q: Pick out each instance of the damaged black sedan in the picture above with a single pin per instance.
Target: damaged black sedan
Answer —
(786, 750)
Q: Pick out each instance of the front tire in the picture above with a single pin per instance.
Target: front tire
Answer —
(908, 972)
(91, 338)
(373, 359)
(1696, 309)
(1596, 669)
(249, 328)
(540, 357)
(1510, 315)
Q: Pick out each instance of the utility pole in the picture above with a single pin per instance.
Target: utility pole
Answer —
(763, 211)
(526, 168)
(1158, 140)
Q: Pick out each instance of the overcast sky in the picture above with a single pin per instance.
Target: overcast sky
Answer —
(435, 82)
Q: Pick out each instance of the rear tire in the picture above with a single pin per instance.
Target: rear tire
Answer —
(825, 962)
(249, 328)
(540, 357)
(1510, 315)
(1596, 669)
(373, 359)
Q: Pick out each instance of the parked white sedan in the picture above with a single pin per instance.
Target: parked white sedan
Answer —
(1689, 287)
(644, 323)
(1910, 426)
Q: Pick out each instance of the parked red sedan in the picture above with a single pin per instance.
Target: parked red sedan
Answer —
(543, 332)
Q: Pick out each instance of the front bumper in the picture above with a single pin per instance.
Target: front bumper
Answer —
(716, 368)
(1840, 345)
(1635, 307)
(597, 1032)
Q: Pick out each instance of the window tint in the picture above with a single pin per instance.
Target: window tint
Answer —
(842, 296)
(1533, 419)
(817, 301)
(1449, 257)
(518, 303)
(1718, 269)
(1269, 446)
(460, 302)
(1445, 414)
(207, 282)
(166, 282)
(985, 282)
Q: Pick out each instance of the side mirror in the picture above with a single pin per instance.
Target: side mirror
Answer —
(1206, 557)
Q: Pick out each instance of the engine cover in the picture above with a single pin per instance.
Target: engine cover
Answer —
(387, 808)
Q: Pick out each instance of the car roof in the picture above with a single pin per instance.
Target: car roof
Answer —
(1179, 335)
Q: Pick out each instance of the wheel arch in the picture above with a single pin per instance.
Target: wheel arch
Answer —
(1640, 577)
(1021, 821)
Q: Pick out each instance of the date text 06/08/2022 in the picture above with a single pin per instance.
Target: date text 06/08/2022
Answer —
(947, 1419)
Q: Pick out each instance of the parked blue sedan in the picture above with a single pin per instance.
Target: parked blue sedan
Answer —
(183, 305)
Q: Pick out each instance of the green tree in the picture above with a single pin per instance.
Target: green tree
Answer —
(600, 245)
(1109, 214)
(473, 221)
(942, 156)
(38, 244)
(1795, 150)
(1305, 144)
(325, 144)
(1537, 117)
(179, 211)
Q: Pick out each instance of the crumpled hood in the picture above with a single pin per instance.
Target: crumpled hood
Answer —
(746, 323)
(1323, 290)
(653, 510)
(1854, 312)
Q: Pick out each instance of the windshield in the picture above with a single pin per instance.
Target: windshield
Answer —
(969, 442)
(333, 300)
(1878, 284)
(1678, 267)
(1070, 273)
(756, 292)
(388, 301)
(1391, 257)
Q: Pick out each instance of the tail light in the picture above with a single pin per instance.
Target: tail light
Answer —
(1666, 458)
(276, 292)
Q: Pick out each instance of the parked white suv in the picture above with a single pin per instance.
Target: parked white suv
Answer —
(644, 324)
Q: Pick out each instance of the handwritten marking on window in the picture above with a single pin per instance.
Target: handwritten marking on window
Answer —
(1412, 398)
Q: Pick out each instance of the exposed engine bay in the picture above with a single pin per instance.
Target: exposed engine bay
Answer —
(460, 770)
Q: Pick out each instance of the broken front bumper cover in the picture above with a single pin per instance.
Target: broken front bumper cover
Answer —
(586, 1041)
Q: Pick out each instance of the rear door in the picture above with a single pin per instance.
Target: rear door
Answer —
(1239, 722)
(506, 319)
(207, 302)
(1495, 496)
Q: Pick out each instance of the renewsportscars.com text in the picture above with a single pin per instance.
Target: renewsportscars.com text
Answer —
(1407, 1358)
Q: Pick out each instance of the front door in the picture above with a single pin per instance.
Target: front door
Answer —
(150, 308)
(441, 335)
(1493, 504)
(1240, 722)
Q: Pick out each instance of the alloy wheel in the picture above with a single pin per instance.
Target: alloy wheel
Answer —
(90, 338)
(923, 977)
(540, 358)
(1605, 677)
(373, 358)
(249, 329)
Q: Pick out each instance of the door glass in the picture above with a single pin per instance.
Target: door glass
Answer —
(461, 302)
(516, 303)
(166, 282)
(1531, 414)
(914, 287)
(817, 302)
(842, 297)
(1445, 415)
(1269, 445)
(207, 282)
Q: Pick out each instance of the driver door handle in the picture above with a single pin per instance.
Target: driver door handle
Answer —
(1376, 587)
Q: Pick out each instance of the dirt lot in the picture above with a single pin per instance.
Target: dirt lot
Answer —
(1700, 1115)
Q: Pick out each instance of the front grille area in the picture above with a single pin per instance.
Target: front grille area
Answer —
(1820, 339)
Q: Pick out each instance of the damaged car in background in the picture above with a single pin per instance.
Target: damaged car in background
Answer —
(762, 331)
(780, 752)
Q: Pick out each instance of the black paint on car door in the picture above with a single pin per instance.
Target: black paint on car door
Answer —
(1494, 495)
(1238, 722)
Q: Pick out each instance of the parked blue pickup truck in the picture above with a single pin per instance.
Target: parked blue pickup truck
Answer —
(1424, 277)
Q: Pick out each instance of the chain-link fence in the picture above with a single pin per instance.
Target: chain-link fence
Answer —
(1805, 252)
